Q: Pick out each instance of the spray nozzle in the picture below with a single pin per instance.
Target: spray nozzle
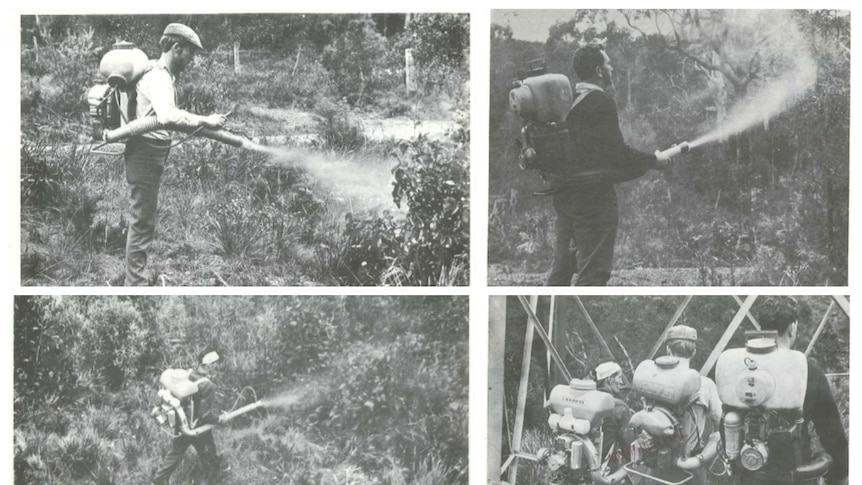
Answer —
(675, 150)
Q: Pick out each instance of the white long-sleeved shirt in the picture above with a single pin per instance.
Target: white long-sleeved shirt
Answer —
(156, 94)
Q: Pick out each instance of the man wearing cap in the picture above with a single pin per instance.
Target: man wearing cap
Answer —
(145, 154)
(702, 417)
(202, 413)
(609, 378)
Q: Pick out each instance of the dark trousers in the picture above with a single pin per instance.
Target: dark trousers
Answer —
(205, 447)
(145, 162)
(589, 222)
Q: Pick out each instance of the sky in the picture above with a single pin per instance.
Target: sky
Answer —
(529, 25)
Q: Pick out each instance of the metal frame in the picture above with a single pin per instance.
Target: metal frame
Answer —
(497, 327)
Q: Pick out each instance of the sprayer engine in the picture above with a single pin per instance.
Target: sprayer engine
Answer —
(763, 390)
(576, 414)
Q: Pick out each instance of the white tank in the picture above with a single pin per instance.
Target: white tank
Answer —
(581, 397)
(123, 64)
(665, 381)
(546, 98)
(178, 383)
(761, 374)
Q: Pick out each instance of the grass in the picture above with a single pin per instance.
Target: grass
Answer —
(228, 216)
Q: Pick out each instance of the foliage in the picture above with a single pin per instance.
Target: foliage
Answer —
(431, 179)
(370, 387)
(769, 205)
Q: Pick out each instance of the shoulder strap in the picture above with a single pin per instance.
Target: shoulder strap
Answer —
(581, 97)
(133, 93)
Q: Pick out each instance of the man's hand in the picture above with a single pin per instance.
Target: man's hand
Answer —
(214, 120)
(661, 160)
(222, 419)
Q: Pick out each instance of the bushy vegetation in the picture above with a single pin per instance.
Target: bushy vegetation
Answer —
(768, 206)
(231, 217)
(631, 325)
(376, 386)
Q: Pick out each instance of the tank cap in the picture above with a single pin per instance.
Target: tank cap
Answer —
(582, 385)
(123, 44)
(761, 345)
(667, 362)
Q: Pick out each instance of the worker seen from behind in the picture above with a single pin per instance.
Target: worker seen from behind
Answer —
(702, 417)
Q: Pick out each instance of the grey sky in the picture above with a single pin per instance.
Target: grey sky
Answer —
(529, 25)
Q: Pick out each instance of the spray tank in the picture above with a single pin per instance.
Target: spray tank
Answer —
(542, 102)
(176, 405)
(112, 102)
(576, 414)
(763, 390)
(666, 388)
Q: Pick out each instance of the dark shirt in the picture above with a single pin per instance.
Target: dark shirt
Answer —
(819, 407)
(613, 428)
(203, 399)
(595, 130)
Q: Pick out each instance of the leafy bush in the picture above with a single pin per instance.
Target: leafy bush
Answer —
(432, 181)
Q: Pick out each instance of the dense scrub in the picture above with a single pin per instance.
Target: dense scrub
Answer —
(231, 217)
(371, 390)
(771, 202)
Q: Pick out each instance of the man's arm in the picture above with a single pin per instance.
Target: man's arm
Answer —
(162, 95)
(821, 409)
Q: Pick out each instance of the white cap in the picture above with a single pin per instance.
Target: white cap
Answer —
(607, 369)
(210, 357)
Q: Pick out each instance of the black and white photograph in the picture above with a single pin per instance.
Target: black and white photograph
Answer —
(328, 390)
(671, 390)
(669, 147)
(277, 149)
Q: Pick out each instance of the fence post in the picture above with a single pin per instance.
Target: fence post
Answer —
(236, 63)
(409, 69)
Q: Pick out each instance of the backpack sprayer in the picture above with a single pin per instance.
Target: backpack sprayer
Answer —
(113, 102)
(666, 388)
(577, 411)
(176, 397)
(763, 390)
(542, 101)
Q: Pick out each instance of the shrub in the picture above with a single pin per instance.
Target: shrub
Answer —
(431, 179)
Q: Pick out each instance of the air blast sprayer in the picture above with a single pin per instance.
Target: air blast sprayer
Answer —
(576, 414)
(113, 102)
(763, 389)
(176, 405)
(666, 387)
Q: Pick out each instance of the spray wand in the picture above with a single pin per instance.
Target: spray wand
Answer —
(675, 150)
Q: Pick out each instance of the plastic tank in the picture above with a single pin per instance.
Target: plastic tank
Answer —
(582, 398)
(761, 374)
(546, 98)
(665, 381)
(123, 64)
(177, 382)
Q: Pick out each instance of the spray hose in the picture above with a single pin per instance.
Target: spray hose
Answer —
(151, 123)
(224, 418)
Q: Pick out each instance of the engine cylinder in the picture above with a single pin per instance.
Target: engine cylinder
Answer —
(732, 434)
